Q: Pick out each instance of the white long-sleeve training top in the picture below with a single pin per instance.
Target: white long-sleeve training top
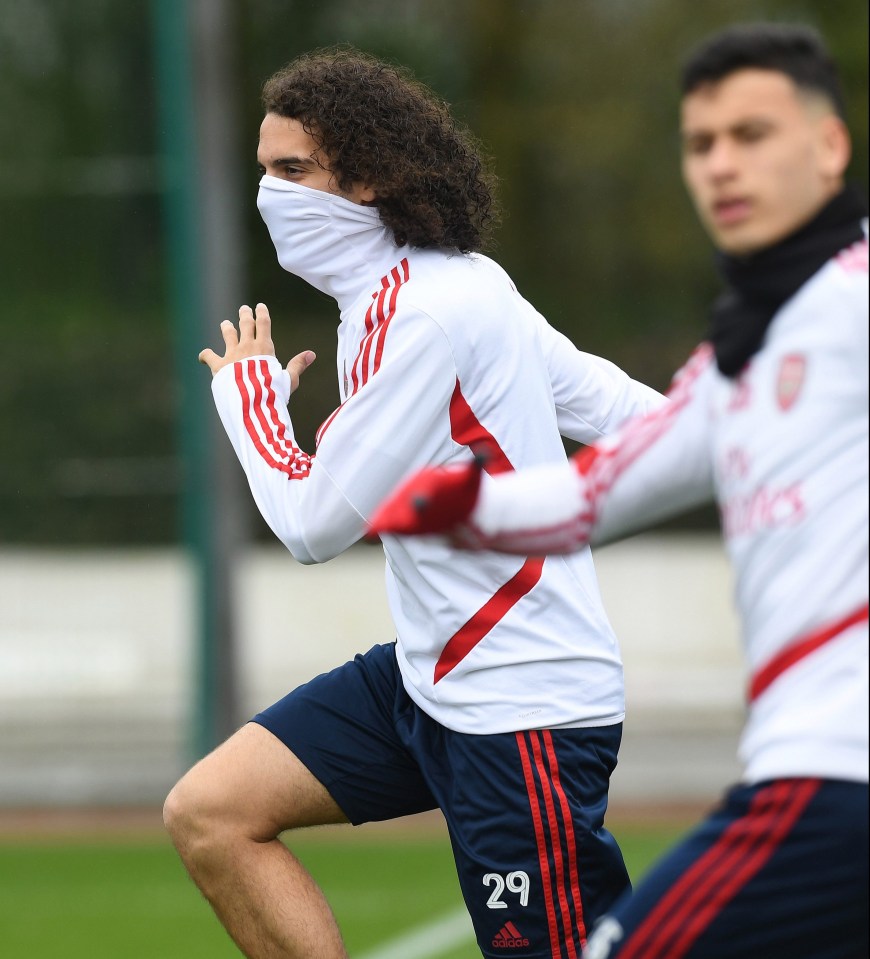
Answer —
(783, 448)
(437, 351)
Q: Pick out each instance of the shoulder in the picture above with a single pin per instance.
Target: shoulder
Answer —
(699, 368)
(443, 271)
(828, 316)
(455, 289)
(838, 292)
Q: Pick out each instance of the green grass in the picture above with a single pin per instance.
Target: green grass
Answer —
(116, 899)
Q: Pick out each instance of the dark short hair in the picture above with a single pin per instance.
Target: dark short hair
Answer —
(797, 51)
(376, 124)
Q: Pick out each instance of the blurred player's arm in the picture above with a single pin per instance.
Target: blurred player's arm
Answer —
(655, 467)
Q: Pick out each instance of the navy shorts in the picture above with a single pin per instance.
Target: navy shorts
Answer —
(524, 810)
(779, 871)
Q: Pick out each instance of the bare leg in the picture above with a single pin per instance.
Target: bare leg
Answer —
(224, 818)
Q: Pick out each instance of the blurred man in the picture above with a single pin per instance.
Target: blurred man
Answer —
(770, 418)
(502, 700)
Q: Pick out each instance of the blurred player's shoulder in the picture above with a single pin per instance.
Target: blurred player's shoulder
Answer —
(853, 260)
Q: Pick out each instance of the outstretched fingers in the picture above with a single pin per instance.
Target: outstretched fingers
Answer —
(263, 328)
(228, 332)
(252, 338)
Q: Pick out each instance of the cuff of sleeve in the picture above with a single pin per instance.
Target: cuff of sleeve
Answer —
(280, 378)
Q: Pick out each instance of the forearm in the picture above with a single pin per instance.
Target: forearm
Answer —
(294, 493)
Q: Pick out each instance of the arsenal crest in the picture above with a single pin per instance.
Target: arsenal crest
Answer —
(792, 370)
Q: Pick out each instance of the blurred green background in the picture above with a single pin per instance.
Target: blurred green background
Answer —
(575, 100)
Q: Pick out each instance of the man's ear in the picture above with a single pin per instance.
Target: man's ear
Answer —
(367, 195)
(835, 146)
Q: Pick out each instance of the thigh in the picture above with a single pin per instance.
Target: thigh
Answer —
(774, 872)
(525, 813)
(253, 785)
(342, 727)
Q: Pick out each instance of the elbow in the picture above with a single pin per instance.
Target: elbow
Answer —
(292, 539)
(315, 535)
(310, 547)
(301, 556)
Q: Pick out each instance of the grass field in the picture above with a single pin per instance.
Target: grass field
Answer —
(116, 897)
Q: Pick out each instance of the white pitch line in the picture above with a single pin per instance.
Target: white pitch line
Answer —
(428, 941)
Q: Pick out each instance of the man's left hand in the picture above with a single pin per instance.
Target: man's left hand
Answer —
(253, 338)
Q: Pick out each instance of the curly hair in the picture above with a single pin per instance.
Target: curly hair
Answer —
(380, 126)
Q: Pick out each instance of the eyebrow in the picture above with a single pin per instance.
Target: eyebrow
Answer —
(290, 161)
(756, 121)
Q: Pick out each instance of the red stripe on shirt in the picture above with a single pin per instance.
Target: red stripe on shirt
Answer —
(375, 331)
(555, 843)
(492, 612)
(324, 426)
(467, 430)
(796, 651)
(369, 326)
(540, 838)
(366, 346)
(382, 332)
(694, 901)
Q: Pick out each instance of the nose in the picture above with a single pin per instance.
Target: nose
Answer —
(721, 159)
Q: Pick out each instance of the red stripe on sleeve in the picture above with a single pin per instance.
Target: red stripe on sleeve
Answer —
(268, 431)
(300, 460)
(299, 464)
(603, 466)
(238, 372)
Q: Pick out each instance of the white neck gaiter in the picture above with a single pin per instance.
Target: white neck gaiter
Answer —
(341, 248)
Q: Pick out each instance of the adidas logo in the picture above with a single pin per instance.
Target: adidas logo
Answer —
(509, 937)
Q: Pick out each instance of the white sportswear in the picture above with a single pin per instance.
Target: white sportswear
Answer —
(436, 351)
(783, 449)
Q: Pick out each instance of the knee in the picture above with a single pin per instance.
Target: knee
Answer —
(189, 814)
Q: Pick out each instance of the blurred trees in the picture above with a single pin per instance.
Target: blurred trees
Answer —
(575, 100)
